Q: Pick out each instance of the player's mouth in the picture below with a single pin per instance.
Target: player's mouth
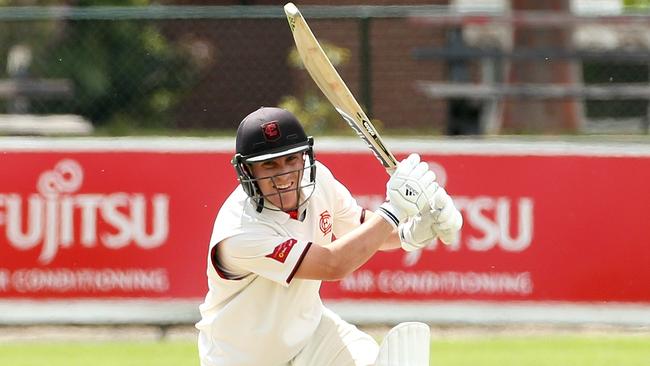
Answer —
(283, 187)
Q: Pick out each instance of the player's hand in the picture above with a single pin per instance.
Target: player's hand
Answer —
(443, 221)
(409, 190)
(447, 220)
(417, 232)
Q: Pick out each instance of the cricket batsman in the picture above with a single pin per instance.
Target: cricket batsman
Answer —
(290, 225)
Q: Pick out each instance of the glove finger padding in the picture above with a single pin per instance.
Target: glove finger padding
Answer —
(444, 214)
(453, 223)
(427, 179)
(407, 165)
(410, 247)
(419, 171)
(429, 192)
(417, 232)
(424, 218)
(440, 199)
(411, 187)
(447, 218)
(449, 231)
(440, 204)
(448, 237)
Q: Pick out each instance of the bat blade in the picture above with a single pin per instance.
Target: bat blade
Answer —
(333, 87)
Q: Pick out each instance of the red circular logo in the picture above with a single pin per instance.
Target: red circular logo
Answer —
(325, 224)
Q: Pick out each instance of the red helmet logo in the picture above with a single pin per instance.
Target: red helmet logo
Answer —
(271, 131)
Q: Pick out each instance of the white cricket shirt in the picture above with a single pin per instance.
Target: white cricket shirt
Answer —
(255, 313)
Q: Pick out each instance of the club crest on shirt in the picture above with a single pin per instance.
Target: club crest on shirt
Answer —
(325, 223)
(281, 252)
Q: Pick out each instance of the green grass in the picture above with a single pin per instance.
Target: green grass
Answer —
(99, 354)
(543, 351)
(487, 351)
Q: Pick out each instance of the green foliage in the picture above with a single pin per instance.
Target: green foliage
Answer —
(138, 75)
(338, 56)
(311, 107)
(22, 33)
(637, 4)
(317, 114)
(314, 111)
(125, 72)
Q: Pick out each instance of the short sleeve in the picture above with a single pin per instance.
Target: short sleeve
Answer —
(274, 257)
(347, 213)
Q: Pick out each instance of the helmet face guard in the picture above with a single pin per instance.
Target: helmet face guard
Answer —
(267, 134)
(303, 190)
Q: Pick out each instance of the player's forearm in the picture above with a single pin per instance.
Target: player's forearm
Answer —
(355, 248)
(392, 241)
(347, 253)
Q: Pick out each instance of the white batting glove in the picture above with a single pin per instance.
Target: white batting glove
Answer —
(447, 220)
(417, 232)
(409, 190)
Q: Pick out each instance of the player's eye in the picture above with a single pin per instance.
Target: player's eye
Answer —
(269, 165)
(295, 158)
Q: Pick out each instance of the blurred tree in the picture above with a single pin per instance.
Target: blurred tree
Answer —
(636, 3)
(126, 73)
(22, 36)
(312, 108)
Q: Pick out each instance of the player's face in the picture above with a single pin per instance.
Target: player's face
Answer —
(279, 180)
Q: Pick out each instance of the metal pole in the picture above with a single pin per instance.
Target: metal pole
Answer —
(365, 73)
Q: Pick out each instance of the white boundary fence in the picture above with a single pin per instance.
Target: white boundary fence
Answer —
(173, 312)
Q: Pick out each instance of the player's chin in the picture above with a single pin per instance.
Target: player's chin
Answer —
(286, 200)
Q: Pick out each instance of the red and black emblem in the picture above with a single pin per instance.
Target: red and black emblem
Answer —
(271, 131)
(281, 251)
(325, 224)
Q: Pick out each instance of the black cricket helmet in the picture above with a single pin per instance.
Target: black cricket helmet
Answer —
(266, 134)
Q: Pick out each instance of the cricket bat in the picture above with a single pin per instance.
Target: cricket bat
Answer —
(330, 83)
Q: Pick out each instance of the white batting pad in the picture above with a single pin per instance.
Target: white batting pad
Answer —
(406, 344)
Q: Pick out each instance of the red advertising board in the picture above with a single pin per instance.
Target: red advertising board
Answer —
(566, 228)
(134, 223)
(103, 224)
